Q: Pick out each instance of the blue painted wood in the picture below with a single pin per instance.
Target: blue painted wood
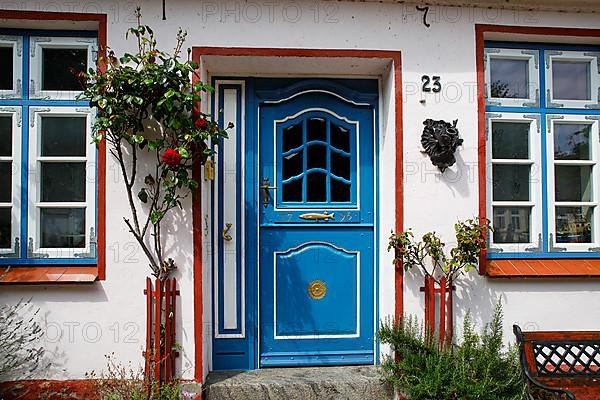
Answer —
(543, 111)
(296, 329)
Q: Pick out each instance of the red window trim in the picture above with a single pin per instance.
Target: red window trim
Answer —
(395, 56)
(69, 273)
(521, 267)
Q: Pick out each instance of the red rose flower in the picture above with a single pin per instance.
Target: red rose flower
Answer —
(201, 123)
(171, 157)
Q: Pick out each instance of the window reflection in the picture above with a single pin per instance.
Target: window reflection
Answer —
(509, 78)
(574, 224)
(512, 225)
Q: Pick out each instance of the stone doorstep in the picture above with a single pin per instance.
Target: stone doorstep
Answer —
(329, 383)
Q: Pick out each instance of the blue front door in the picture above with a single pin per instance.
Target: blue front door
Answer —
(316, 187)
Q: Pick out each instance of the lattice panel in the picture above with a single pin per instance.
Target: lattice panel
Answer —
(567, 358)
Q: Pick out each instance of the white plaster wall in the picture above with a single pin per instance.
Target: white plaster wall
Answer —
(431, 201)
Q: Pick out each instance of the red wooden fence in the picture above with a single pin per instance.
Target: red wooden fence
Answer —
(444, 290)
(161, 314)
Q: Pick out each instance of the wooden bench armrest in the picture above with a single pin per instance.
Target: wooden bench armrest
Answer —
(535, 389)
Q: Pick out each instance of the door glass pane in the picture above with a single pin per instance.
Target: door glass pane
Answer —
(509, 78)
(62, 182)
(572, 141)
(340, 165)
(316, 157)
(5, 228)
(340, 138)
(574, 224)
(64, 136)
(6, 68)
(62, 227)
(292, 137)
(316, 187)
(511, 182)
(571, 80)
(5, 136)
(61, 68)
(573, 182)
(316, 129)
(510, 140)
(512, 224)
(292, 191)
(340, 191)
(5, 181)
(292, 165)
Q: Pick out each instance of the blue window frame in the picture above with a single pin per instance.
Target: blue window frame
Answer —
(48, 191)
(543, 150)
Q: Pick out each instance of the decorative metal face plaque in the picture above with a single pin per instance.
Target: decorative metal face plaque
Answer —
(317, 290)
(440, 140)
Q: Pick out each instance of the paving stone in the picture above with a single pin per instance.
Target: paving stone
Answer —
(329, 383)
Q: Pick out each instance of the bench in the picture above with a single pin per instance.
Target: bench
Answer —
(560, 365)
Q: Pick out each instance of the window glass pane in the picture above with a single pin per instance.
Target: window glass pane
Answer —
(62, 227)
(64, 136)
(572, 141)
(511, 182)
(5, 228)
(292, 165)
(61, 68)
(316, 187)
(340, 191)
(5, 136)
(340, 138)
(510, 140)
(571, 80)
(573, 183)
(62, 181)
(292, 137)
(316, 157)
(512, 224)
(340, 165)
(6, 68)
(574, 224)
(292, 191)
(316, 129)
(5, 181)
(509, 78)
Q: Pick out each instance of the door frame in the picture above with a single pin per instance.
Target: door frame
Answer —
(215, 61)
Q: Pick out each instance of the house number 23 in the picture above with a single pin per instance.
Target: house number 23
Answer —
(431, 84)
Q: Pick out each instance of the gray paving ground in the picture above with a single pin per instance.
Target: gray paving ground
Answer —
(330, 383)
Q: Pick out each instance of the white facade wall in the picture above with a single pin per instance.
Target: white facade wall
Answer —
(84, 322)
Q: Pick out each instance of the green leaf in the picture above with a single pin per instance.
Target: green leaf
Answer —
(143, 195)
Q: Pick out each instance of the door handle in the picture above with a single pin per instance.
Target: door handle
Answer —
(265, 188)
(318, 216)
(225, 234)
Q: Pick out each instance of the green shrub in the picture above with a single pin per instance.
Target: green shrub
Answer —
(477, 369)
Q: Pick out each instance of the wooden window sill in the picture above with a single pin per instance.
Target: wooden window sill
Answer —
(543, 268)
(48, 274)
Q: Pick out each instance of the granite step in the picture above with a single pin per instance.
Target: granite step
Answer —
(329, 383)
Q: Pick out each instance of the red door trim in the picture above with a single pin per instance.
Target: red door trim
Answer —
(395, 57)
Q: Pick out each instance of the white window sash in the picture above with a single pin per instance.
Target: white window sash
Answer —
(15, 158)
(16, 43)
(595, 157)
(34, 179)
(532, 56)
(37, 44)
(535, 188)
(594, 59)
